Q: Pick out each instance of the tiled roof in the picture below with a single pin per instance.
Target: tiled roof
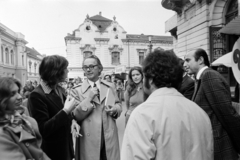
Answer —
(31, 52)
(101, 22)
(99, 18)
(145, 37)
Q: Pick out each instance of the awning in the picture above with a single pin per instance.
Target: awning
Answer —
(232, 27)
(224, 60)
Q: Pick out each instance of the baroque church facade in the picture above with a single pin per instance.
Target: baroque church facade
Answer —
(108, 40)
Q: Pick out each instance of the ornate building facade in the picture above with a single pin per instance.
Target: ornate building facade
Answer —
(12, 54)
(108, 40)
(200, 24)
(17, 60)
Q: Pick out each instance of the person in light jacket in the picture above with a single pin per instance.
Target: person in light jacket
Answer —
(97, 118)
(167, 125)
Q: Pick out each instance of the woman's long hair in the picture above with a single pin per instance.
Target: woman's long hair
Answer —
(5, 92)
(132, 86)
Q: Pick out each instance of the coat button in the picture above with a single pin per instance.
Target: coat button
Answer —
(88, 134)
(27, 144)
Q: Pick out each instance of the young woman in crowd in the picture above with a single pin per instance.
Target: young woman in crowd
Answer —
(134, 94)
(19, 135)
(46, 105)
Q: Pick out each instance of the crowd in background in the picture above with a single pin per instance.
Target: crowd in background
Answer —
(176, 109)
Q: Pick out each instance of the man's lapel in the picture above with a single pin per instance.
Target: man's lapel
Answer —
(196, 88)
(103, 91)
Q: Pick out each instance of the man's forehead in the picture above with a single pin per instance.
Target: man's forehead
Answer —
(89, 61)
(189, 55)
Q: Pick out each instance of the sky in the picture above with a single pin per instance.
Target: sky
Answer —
(45, 23)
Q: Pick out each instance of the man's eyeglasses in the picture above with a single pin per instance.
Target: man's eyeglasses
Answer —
(85, 68)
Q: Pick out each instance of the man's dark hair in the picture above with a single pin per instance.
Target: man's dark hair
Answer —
(202, 53)
(97, 60)
(52, 69)
(5, 92)
(164, 68)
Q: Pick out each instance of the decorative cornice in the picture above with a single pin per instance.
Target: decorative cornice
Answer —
(88, 47)
(146, 41)
(102, 39)
(115, 48)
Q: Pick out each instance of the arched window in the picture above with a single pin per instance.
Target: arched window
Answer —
(115, 58)
(2, 54)
(7, 55)
(12, 57)
(35, 67)
(86, 54)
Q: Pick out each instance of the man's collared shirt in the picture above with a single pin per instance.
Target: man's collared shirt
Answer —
(45, 87)
(92, 83)
(200, 72)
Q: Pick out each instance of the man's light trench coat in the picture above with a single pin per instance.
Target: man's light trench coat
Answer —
(91, 120)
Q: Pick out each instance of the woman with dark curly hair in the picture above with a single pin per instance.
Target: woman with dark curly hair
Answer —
(134, 94)
(51, 108)
(19, 135)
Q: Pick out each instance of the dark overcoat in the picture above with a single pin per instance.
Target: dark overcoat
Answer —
(54, 124)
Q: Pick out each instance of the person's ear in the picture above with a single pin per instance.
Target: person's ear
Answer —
(201, 60)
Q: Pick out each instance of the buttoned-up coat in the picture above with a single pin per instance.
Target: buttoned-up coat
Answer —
(213, 91)
(92, 120)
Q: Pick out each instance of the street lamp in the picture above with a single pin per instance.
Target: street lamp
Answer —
(150, 43)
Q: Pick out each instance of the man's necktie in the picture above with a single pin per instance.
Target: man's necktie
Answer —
(98, 91)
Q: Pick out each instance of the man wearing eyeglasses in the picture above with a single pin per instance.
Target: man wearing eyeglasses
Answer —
(98, 134)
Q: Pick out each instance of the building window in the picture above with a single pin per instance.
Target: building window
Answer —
(141, 57)
(115, 58)
(86, 54)
(7, 55)
(35, 67)
(12, 57)
(30, 66)
(23, 60)
(2, 53)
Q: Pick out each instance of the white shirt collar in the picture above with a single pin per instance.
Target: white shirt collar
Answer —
(200, 72)
(45, 87)
(92, 83)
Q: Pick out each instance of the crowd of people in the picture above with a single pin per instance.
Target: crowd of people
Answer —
(177, 109)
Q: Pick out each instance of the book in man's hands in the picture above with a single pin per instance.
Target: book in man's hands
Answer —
(110, 98)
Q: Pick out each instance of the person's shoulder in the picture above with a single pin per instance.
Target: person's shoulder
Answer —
(210, 73)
